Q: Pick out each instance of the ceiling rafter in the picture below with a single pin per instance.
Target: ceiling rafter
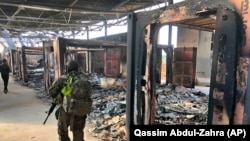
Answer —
(64, 15)
(75, 10)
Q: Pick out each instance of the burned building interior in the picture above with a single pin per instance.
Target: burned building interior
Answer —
(198, 79)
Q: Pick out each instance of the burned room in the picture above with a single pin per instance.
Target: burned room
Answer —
(175, 63)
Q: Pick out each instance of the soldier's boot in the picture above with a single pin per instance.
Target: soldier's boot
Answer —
(64, 138)
(78, 136)
(63, 135)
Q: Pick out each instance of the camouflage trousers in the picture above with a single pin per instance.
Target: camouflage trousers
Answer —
(65, 121)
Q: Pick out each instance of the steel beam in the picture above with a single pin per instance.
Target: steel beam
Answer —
(223, 79)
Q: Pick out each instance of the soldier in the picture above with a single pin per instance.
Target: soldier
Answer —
(65, 118)
(5, 70)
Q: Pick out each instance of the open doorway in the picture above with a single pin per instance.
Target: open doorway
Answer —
(200, 40)
(183, 103)
(214, 61)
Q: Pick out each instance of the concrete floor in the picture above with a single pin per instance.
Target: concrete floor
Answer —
(22, 116)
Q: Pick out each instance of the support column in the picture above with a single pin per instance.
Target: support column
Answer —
(223, 76)
(169, 58)
(88, 55)
(59, 47)
(131, 50)
(23, 65)
(12, 57)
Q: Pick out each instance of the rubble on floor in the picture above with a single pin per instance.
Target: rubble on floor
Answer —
(181, 106)
(175, 105)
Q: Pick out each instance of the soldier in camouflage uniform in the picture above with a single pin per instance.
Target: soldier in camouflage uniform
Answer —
(64, 118)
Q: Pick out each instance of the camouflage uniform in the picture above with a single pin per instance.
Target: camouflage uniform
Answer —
(65, 119)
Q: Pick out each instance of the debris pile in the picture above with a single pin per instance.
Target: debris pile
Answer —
(181, 106)
(175, 105)
(108, 116)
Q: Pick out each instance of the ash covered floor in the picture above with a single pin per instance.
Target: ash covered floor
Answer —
(107, 121)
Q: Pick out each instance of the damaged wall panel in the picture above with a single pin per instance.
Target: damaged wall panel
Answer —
(123, 60)
(86, 52)
(184, 67)
(112, 62)
(22, 59)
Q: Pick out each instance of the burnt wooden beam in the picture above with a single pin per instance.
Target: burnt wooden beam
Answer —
(18, 63)
(33, 48)
(169, 73)
(93, 43)
(150, 75)
(47, 46)
(158, 65)
(169, 60)
(59, 47)
(23, 64)
(164, 46)
(80, 50)
(12, 57)
(32, 51)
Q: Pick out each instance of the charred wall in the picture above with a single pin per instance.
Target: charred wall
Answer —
(123, 59)
(97, 62)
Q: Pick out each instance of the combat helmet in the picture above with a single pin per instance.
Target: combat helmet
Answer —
(72, 65)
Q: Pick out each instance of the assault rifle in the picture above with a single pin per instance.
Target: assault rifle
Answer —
(51, 109)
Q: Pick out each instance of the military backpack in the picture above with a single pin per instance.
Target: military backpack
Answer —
(77, 93)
